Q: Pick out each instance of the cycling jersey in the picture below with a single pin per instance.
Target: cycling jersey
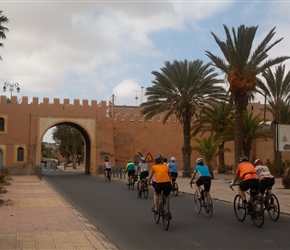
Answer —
(107, 165)
(173, 166)
(142, 167)
(202, 170)
(263, 172)
(130, 166)
(161, 172)
(246, 171)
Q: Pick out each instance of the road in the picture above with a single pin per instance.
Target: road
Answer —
(127, 221)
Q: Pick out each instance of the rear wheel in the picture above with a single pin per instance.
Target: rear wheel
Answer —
(208, 205)
(197, 203)
(240, 212)
(175, 188)
(132, 184)
(166, 216)
(273, 207)
(258, 213)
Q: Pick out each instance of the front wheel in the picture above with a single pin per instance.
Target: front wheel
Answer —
(175, 188)
(132, 182)
(197, 203)
(273, 207)
(208, 205)
(240, 212)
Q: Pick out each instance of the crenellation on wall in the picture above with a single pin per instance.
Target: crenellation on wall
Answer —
(45, 101)
(66, 101)
(24, 100)
(35, 100)
(56, 101)
(85, 103)
(76, 102)
(3, 99)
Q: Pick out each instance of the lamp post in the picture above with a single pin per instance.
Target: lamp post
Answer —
(11, 87)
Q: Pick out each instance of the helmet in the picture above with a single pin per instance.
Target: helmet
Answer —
(173, 159)
(129, 161)
(143, 159)
(158, 159)
(258, 162)
(243, 158)
(199, 161)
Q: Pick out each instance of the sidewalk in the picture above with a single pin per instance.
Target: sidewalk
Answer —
(34, 216)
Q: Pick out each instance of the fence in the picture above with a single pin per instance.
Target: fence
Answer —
(116, 172)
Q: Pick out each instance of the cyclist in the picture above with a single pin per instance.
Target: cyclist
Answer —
(130, 167)
(249, 176)
(163, 183)
(204, 177)
(143, 168)
(107, 166)
(267, 180)
(165, 161)
(173, 169)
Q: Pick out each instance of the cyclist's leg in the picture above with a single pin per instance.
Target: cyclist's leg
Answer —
(198, 183)
(157, 192)
(207, 185)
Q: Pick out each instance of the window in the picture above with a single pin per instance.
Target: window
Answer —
(20, 154)
(2, 124)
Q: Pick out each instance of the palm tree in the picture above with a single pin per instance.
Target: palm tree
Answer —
(181, 88)
(3, 19)
(253, 129)
(277, 92)
(215, 119)
(209, 148)
(241, 67)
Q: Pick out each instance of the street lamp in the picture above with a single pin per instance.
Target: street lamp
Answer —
(11, 87)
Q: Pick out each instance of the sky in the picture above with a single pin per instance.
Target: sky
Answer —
(95, 49)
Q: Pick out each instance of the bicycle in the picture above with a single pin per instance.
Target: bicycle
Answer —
(163, 211)
(255, 208)
(205, 201)
(144, 188)
(271, 204)
(133, 179)
(107, 175)
(174, 187)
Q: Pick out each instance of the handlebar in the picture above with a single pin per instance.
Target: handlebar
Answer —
(191, 183)
(235, 184)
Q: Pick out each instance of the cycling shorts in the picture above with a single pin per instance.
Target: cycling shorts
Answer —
(163, 186)
(266, 184)
(205, 181)
(144, 174)
(250, 184)
(108, 169)
(173, 175)
(131, 172)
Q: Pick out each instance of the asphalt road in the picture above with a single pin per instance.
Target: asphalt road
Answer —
(127, 221)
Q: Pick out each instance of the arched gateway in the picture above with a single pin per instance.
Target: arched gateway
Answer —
(23, 125)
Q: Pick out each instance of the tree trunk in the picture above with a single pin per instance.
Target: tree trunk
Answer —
(240, 101)
(186, 149)
(221, 157)
(277, 154)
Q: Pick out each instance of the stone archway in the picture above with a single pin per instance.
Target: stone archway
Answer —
(83, 128)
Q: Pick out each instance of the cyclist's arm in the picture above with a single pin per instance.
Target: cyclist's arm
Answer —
(193, 176)
(150, 177)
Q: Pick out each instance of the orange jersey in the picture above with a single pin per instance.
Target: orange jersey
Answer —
(161, 172)
(246, 171)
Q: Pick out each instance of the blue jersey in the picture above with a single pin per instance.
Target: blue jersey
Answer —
(173, 166)
(202, 170)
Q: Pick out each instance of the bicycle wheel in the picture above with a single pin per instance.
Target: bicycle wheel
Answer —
(258, 213)
(197, 203)
(145, 190)
(175, 188)
(240, 212)
(208, 205)
(132, 184)
(109, 176)
(139, 189)
(273, 207)
(166, 216)
(159, 212)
